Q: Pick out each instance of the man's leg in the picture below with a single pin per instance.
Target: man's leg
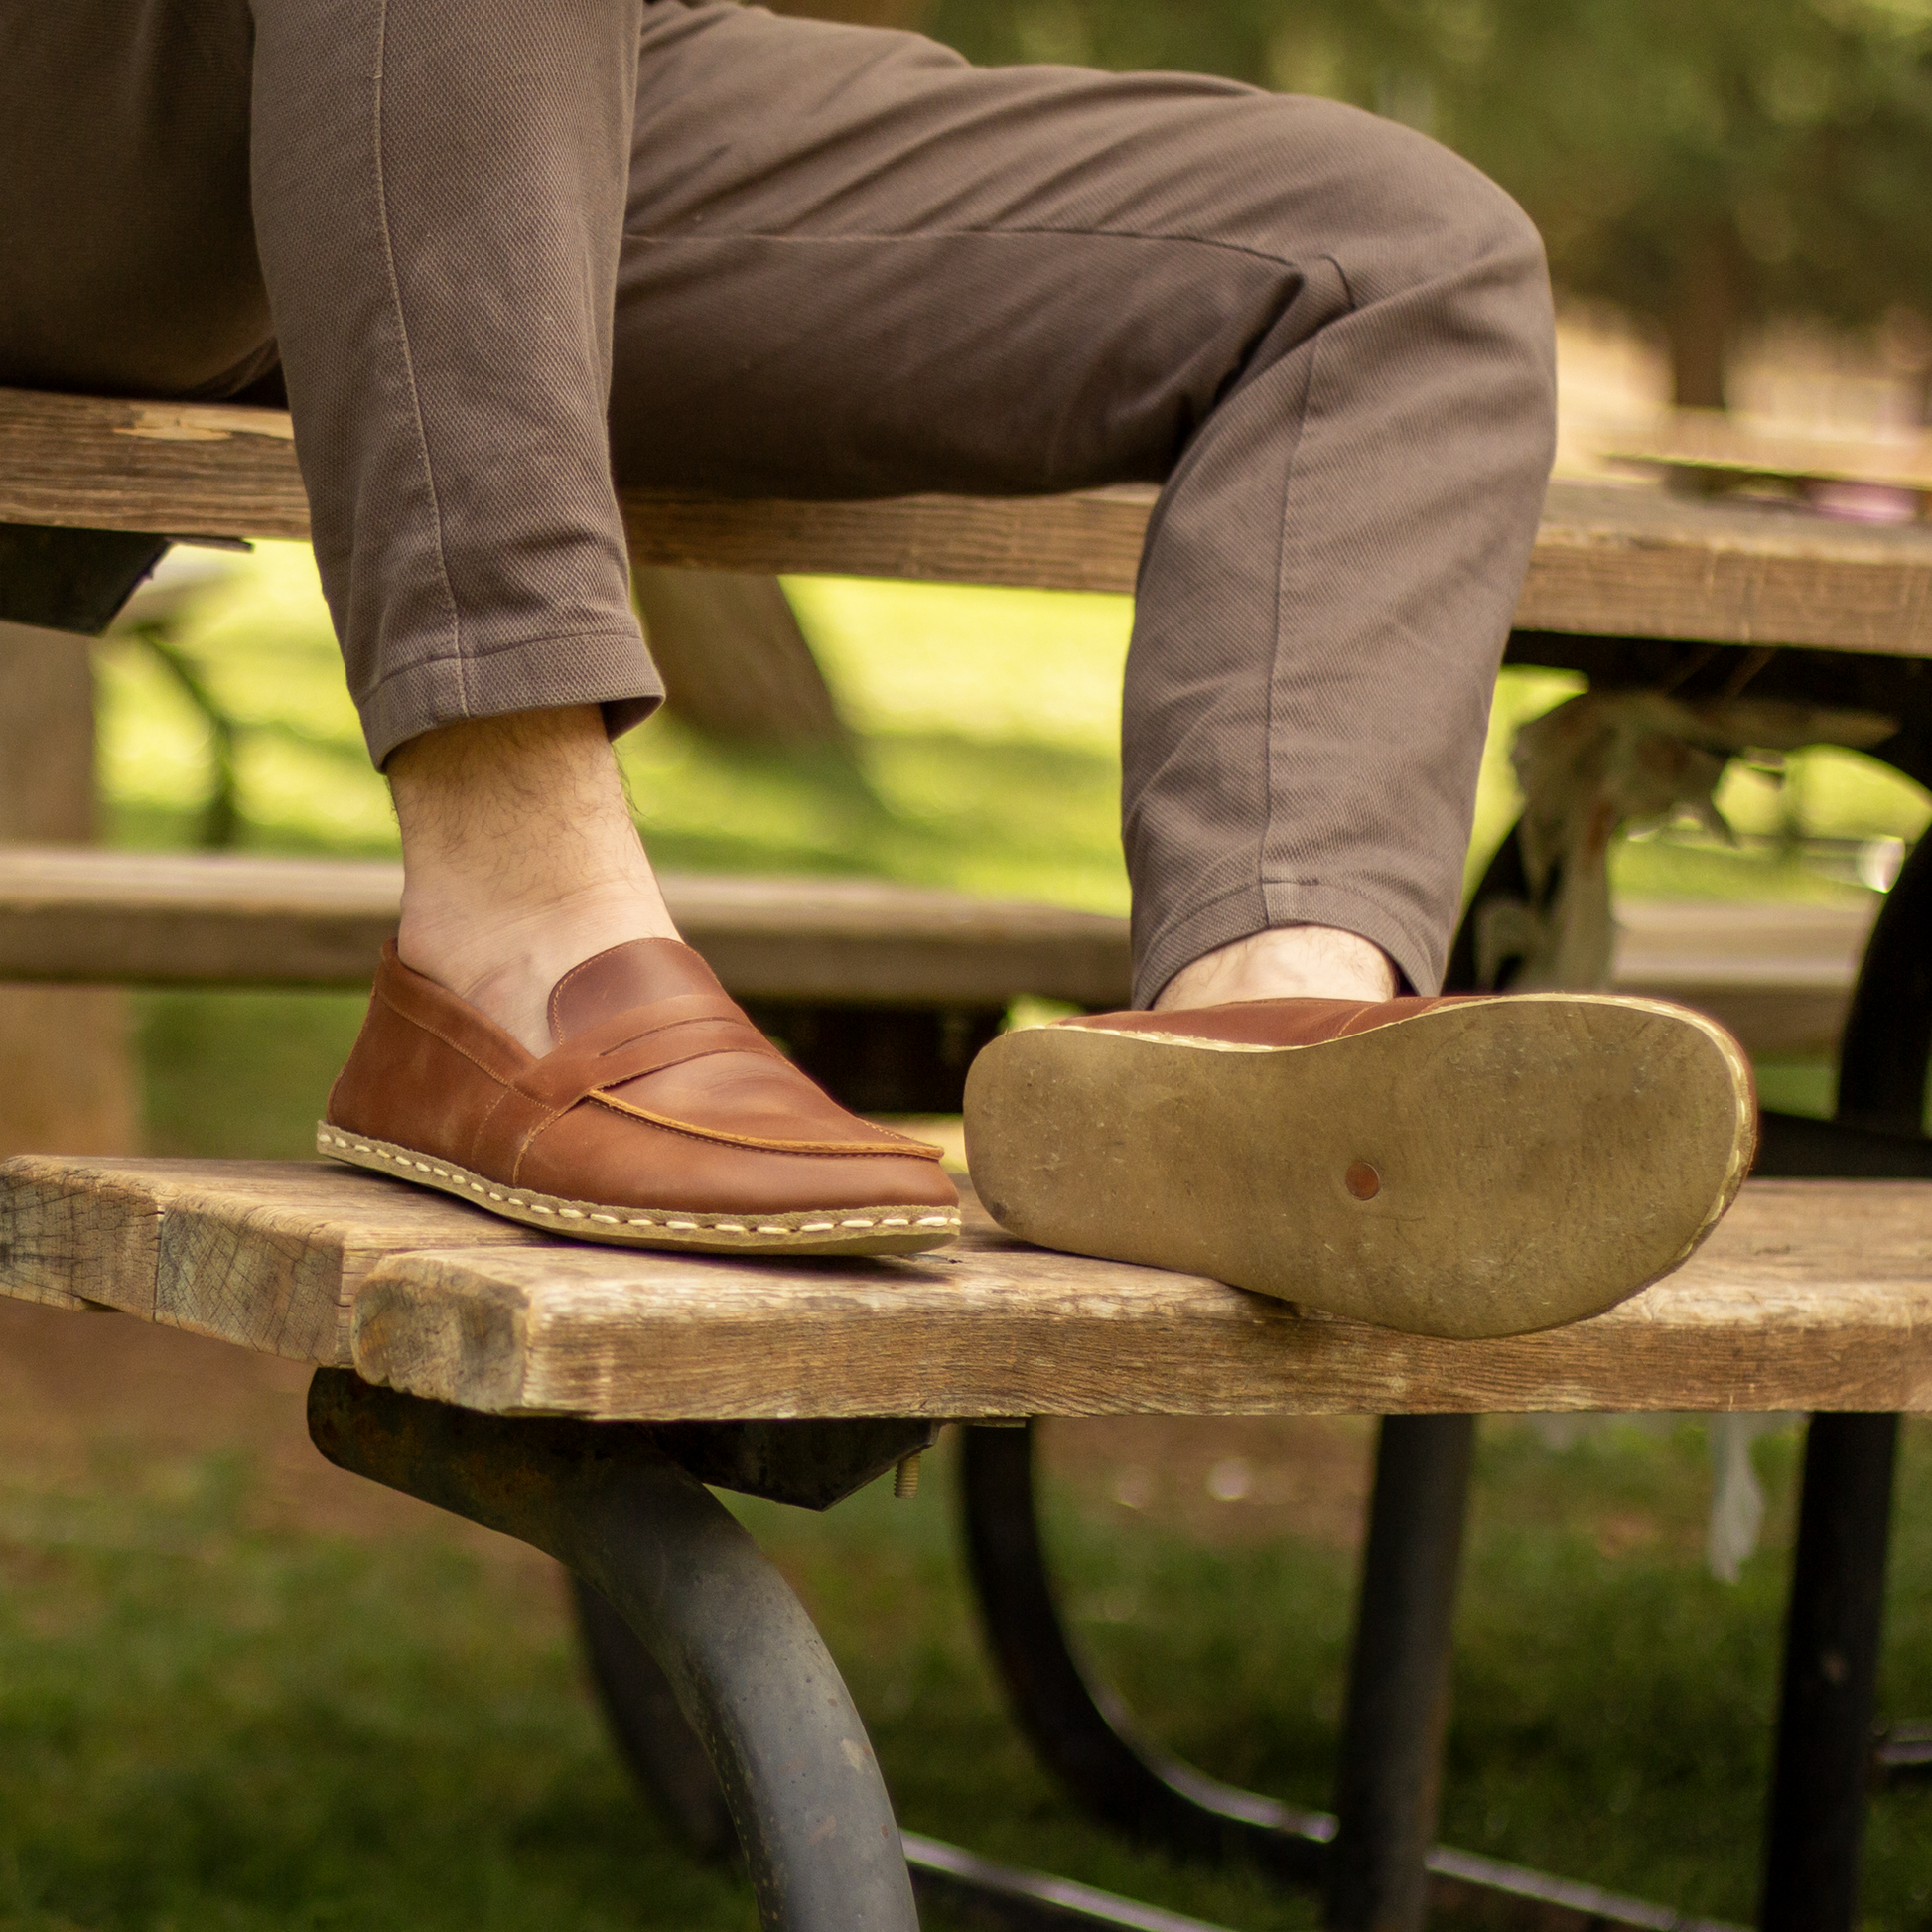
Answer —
(439, 189)
(850, 264)
(1332, 343)
(856, 266)
(418, 207)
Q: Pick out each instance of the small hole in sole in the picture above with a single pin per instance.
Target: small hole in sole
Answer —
(1362, 1180)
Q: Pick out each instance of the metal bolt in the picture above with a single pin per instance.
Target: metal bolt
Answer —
(905, 1479)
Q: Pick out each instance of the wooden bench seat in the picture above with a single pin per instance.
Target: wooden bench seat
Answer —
(1778, 976)
(77, 914)
(1811, 1295)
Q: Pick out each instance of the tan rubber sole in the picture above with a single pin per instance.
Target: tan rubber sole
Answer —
(803, 1231)
(1476, 1170)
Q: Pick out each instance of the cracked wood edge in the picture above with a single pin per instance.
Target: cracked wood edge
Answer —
(267, 1255)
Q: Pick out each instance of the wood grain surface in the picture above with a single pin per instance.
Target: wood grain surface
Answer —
(1812, 1295)
(186, 918)
(1609, 562)
(266, 1254)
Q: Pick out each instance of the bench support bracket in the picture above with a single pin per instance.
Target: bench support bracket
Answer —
(749, 1671)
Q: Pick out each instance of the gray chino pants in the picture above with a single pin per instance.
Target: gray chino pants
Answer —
(506, 253)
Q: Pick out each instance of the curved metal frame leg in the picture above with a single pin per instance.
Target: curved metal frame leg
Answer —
(1077, 1725)
(1083, 1734)
(750, 1672)
(651, 1732)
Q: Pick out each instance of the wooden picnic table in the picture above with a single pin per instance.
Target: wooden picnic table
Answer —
(1812, 1297)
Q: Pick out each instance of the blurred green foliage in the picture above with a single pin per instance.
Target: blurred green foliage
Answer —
(1701, 163)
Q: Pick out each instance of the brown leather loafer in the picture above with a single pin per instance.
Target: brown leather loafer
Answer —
(1459, 1166)
(663, 1119)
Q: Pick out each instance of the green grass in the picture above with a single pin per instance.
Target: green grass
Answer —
(212, 1723)
(215, 1721)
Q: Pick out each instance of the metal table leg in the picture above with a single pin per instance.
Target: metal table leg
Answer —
(1831, 1673)
(1397, 1715)
(748, 1670)
(1084, 1734)
(1826, 1759)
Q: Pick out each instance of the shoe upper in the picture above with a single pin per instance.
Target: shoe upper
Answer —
(658, 1092)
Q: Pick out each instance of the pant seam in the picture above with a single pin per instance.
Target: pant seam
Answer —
(648, 238)
(475, 652)
(456, 653)
(1267, 749)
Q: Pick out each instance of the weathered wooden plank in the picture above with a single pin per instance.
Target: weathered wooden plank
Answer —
(200, 918)
(1640, 563)
(1609, 562)
(72, 1234)
(1087, 541)
(266, 1254)
(1813, 1295)
(93, 463)
(1778, 976)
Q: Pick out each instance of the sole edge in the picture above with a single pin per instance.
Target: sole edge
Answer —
(804, 1232)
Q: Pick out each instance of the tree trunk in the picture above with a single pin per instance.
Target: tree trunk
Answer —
(1707, 307)
(736, 665)
(66, 1073)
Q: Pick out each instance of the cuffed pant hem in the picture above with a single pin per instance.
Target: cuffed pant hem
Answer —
(612, 669)
(1263, 908)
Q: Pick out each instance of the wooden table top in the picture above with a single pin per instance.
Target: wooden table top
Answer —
(1609, 562)
(1812, 1295)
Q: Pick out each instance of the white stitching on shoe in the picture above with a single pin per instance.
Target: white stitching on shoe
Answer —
(402, 1158)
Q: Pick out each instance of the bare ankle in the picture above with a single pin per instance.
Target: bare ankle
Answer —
(1289, 962)
(520, 860)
